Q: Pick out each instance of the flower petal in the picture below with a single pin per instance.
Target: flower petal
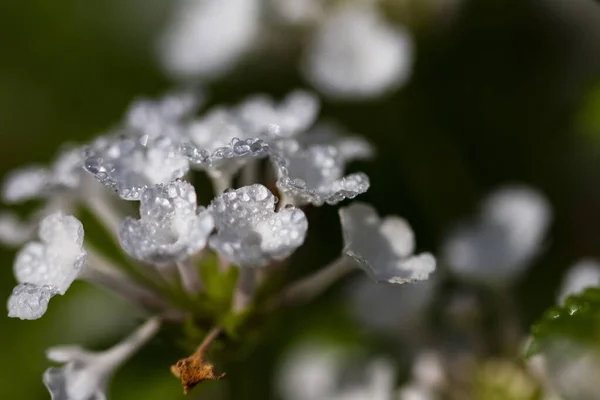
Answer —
(130, 166)
(170, 227)
(383, 248)
(30, 301)
(250, 232)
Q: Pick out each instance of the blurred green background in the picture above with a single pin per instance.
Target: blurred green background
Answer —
(507, 91)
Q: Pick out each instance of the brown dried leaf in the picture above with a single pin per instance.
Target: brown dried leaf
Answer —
(193, 370)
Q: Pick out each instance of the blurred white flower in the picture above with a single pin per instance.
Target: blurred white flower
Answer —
(390, 309)
(383, 248)
(316, 371)
(38, 182)
(298, 11)
(86, 375)
(428, 378)
(13, 231)
(355, 54)
(161, 117)
(206, 38)
(260, 116)
(130, 165)
(329, 133)
(502, 242)
(572, 369)
(249, 231)
(583, 275)
(44, 269)
(315, 174)
(171, 227)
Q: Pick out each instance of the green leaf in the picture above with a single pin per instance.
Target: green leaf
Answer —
(578, 319)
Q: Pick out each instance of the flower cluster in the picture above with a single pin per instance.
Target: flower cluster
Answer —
(350, 50)
(267, 160)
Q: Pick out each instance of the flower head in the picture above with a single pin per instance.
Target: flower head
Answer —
(315, 175)
(86, 375)
(250, 232)
(132, 165)
(496, 247)
(355, 54)
(48, 267)
(384, 249)
(171, 227)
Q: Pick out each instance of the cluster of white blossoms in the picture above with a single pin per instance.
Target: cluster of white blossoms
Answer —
(350, 50)
(267, 160)
(498, 246)
(316, 370)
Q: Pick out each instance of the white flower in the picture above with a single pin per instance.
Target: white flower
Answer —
(377, 305)
(384, 249)
(86, 375)
(249, 231)
(161, 117)
(13, 231)
(572, 369)
(501, 243)
(225, 139)
(207, 38)
(355, 54)
(130, 166)
(315, 175)
(583, 275)
(328, 133)
(316, 371)
(171, 227)
(260, 116)
(298, 11)
(228, 159)
(38, 182)
(47, 268)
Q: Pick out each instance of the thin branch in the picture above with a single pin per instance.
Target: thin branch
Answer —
(190, 276)
(313, 285)
(102, 272)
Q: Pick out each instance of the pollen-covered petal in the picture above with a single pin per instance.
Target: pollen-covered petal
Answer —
(250, 232)
(170, 228)
(30, 301)
(315, 175)
(131, 165)
(58, 259)
(383, 248)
